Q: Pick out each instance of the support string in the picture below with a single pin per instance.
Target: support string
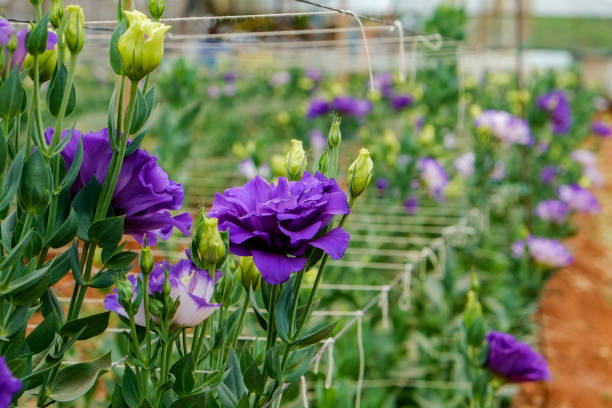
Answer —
(402, 51)
(365, 45)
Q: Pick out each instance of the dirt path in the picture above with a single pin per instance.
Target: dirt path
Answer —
(576, 315)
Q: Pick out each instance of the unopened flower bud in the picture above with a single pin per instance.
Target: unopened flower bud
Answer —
(211, 247)
(296, 160)
(46, 65)
(141, 47)
(146, 260)
(334, 137)
(278, 165)
(35, 2)
(360, 173)
(57, 13)
(248, 274)
(12, 44)
(473, 310)
(125, 293)
(75, 29)
(156, 8)
(156, 308)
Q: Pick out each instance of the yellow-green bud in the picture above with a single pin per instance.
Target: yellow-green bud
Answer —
(75, 29)
(57, 13)
(12, 44)
(146, 261)
(156, 8)
(125, 293)
(334, 137)
(248, 274)
(360, 173)
(473, 310)
(141, 47)
(210, 247)
(296, 160)
(46, 64)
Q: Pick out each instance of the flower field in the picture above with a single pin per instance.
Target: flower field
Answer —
(181, 228)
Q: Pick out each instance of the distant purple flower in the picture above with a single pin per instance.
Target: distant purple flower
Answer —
(601, 129)
(383, 82)
(433, 176)
(548, 174)
(9, 385)
(230, 76)
(558, 108)
(317, 107)
(549, 253)
(213, 91)
(229, 89)
(518, 249)
(400, 101)
(382, 184)
(579, 199)
(594, 175)
(464, 164)
(552, 211)
(543, 147)
(411, 205)
(7, 31)
(450, 141)
(585, 158)
(249, 170)
(317, 142)
(280, 78)
(506, 127)
(314, 74)
(419, 123)
(513, 360)
(278, 224)
(499, 171)
(193, 287)
(350, 106)
(144, 193)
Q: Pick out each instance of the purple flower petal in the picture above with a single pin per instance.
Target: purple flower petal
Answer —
(334, 243)
(275, 268)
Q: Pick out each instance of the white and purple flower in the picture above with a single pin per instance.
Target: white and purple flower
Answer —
(464, 164)
(508, 128)
(578, 198)
(554, 211)
(433, 176)
(549, 253)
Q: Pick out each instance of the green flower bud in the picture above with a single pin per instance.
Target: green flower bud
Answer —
(46, 64)
(156, 8)
(125, 293)
(211, 247)
(141, 47)
(360, 173)
(156, 308)
(296, 160)
(2, 59)
(248, 274)
(36, 185)
(473, 310)
(35, 2)
(57, 13)
(75, 29)
(146, 260)
(334, 137)
(12, 44)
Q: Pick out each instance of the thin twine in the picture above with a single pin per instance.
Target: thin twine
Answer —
(384, 306)
(365, 45)
(361, 362)
(402, 51)
(304, 391)
(330, 364)
(404, 300)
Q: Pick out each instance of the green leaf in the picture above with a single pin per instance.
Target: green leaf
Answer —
(11, 180)
(121, 260)
(129, 386)
(43, 335)
(12, 95)
(260, 318)
(254, 380)
(93, 325)
(36, 41)
(18, 320)
(183, 372)
(55, 92)
(36, 184)
(140, 113)
(103, 280)
(107, 232)
(65, 233)
(298, 363)
(273, 362)
(27, 288)
(117, 397)
(227, 397)
(74, 264)
(315, 336)
(73, 171)
(192, 401)
(84, 205)
(115, 58)
(282, 312)
(234, 380)
(15, 255)
(74, 381)
(7, 228)
(135, 144)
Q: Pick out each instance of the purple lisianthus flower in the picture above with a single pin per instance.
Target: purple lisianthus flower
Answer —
(558, 108)
(508, 128)
(419, 123)
(518, 249)
(278, 224)
(280, 78)
(317, 107)
(9, 385)
(350, 106)
(513, 360)
(7, 31)
(579, 199)
(555, 211)
(464, 164)
(314, 74)
(144, 193)
(411, 205)
(383, 82)
(548, 174)
(229, 89)
(213, 91)
(585, 158)
(230, 76)
(381, 185)
(193, 288)
(400, 101)
(601, 129)
(549, 252)
(433, 176)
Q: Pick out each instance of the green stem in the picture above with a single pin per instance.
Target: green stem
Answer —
(83, 290)
(134, 336)
(245, 307)
(271, 337)
(64, 104)
(147, 318)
